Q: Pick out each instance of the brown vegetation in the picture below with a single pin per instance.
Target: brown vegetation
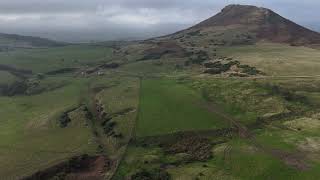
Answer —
(197, 147)
(164, 48)
(260, 23)
(76, 168)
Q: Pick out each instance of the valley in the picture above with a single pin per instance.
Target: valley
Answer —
(215, 101)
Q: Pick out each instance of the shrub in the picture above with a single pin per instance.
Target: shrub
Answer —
(154, 174)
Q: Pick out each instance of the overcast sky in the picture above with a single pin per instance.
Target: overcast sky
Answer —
(85, 20)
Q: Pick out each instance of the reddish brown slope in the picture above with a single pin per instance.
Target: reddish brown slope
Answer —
(264, 23)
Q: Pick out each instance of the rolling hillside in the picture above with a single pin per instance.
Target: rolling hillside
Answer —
(221, 100)
(10, 41)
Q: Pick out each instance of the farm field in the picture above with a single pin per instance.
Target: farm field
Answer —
(169, 107)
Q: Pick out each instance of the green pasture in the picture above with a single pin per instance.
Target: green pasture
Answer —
(168, 107)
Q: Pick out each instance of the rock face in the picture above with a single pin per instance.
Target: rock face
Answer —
(262, 23)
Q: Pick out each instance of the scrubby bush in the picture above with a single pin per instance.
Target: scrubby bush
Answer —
(194, 33)
(153, 174)
(64, 120)
(40, 76)
(213, 71)
(199, 57)
(249, 70)
(187, 63)
(217, 67)
(286, 93)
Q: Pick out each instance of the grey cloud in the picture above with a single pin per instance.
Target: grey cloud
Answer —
(84, 20)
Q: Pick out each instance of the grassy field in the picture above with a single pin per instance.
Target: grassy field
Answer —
(236, 164)
(244, 99)
(120, 100)
(277, 59)
(236, 159)
(157, 99)
(31, 136)
(44, 60)
(125, 95)
(168, 107)
(244, 157)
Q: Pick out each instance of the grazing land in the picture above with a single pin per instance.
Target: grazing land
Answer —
(32, 139)
(209, 102)
(45, 60)
(166, 106)
(277, 59)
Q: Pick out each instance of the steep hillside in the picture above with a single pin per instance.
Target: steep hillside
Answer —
(242, 24)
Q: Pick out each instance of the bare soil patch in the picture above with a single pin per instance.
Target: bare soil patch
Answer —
(76, 168)
(303, 124)
(310, 145)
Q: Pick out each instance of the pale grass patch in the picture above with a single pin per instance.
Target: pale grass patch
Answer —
(301, 124)
(310, 144)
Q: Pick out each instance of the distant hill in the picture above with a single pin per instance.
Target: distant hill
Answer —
(243, 24)
(9, 41)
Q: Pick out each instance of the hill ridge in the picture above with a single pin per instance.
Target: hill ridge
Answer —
(8, 41)
(263, 23)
